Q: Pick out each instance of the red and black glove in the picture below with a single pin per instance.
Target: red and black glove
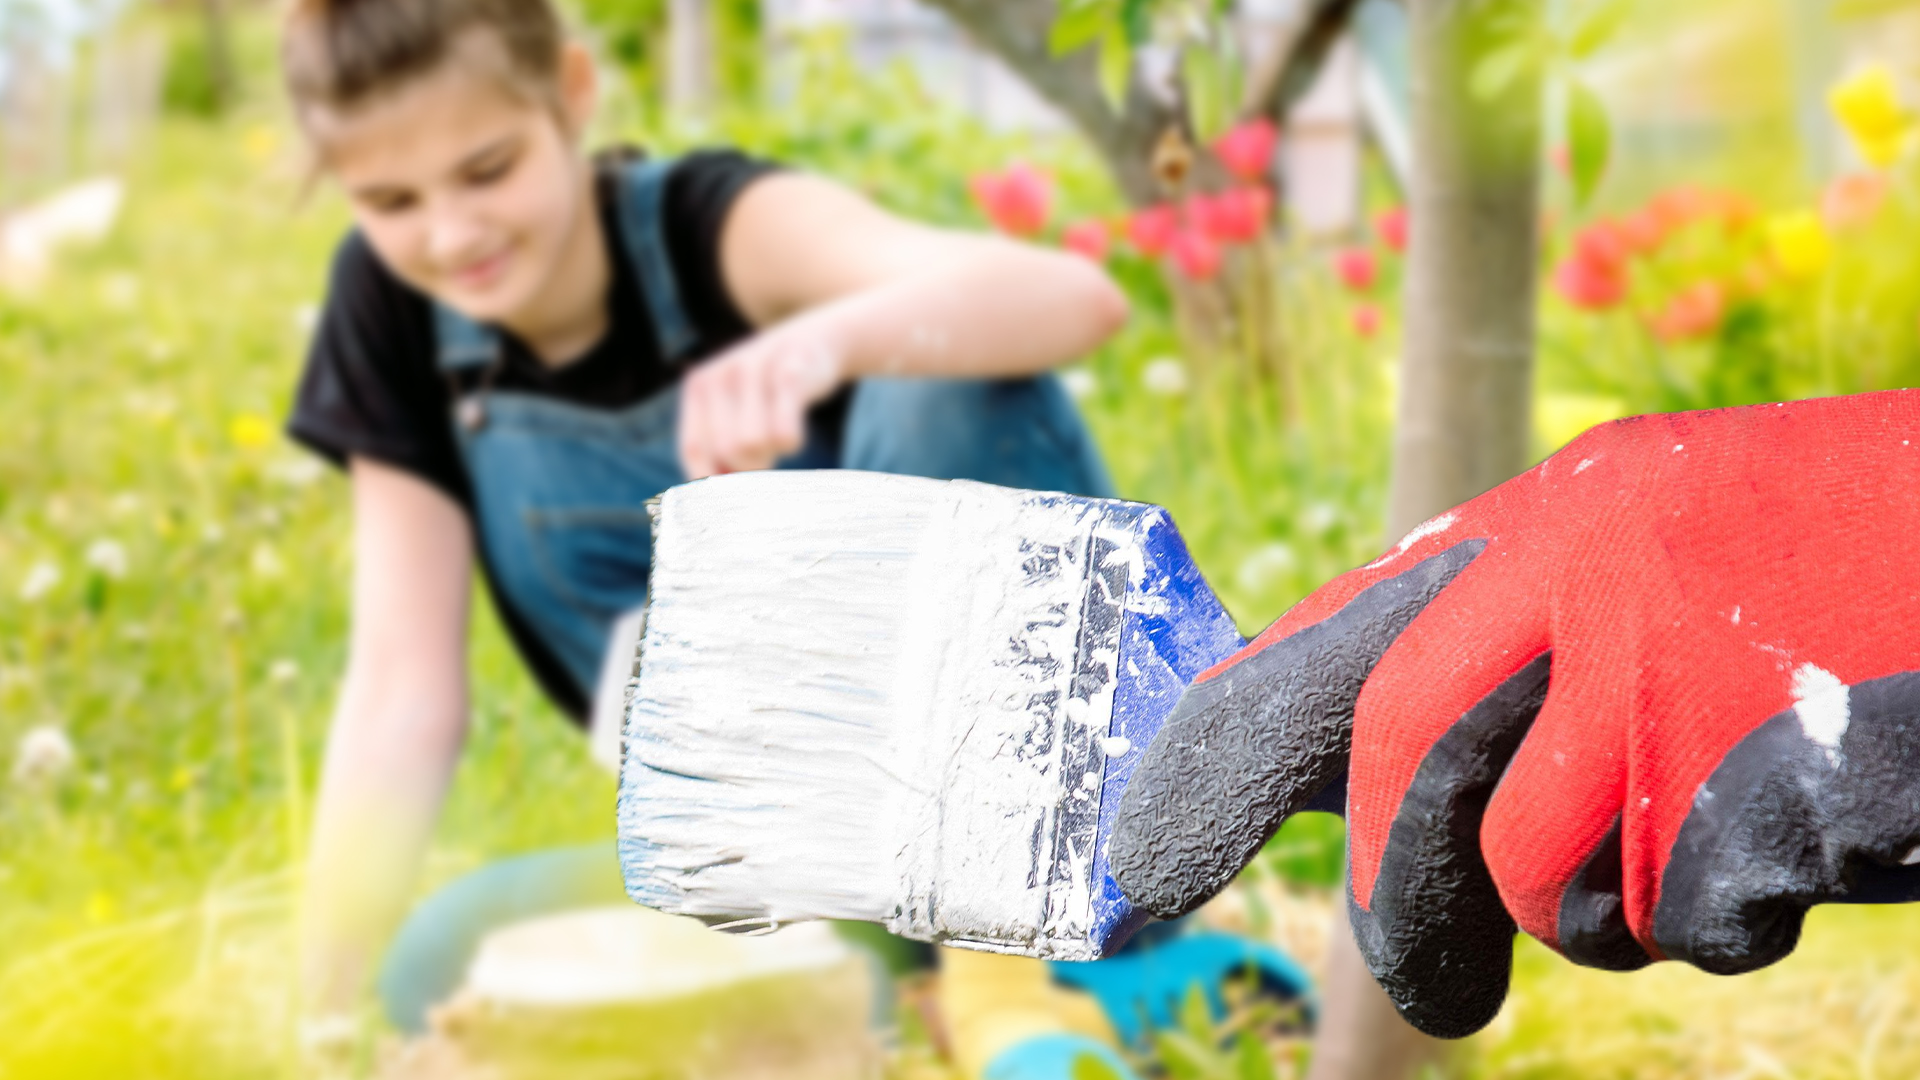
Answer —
(1650, 700)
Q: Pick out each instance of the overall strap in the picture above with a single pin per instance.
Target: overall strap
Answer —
(642, 212)
(464, 345)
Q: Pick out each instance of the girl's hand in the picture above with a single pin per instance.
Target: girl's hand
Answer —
(747, 407)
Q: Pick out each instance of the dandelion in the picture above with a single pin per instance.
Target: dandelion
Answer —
(43, 754)
(1867, 104)
(101, 907)
(1088, 238)
(1265, 567)
(250, 431)
(107, 556)
(1079, 383)
(1799, 243)
(1166, 377)
(40, 580)
(283, 670)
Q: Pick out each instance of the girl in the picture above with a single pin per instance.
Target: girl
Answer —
(522, 344)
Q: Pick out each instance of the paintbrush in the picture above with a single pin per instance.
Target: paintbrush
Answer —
(906, 701)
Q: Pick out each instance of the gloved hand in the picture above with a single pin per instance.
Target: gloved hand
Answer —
(1143, 987)
(1651, 699)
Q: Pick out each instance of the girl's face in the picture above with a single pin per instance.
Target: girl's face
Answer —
(466, 191)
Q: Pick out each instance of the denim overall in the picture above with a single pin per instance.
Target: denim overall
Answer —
(559, 504)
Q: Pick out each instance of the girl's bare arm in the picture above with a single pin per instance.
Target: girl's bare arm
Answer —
(397, 731)
(843, 290)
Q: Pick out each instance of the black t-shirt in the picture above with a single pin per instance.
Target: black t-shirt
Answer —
(372, 385)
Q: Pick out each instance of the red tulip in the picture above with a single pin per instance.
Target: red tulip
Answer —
(1087, 238)
(1694, 312)
(1247, 149)
(1853, 200)
(1589, 283)
(1357, 267)
(1196, 256)
(1366, 320)
(1235, 216)
(1603, 244)
(1391, 224)
(1644, 232)
(1152, 230)
(1017, 201)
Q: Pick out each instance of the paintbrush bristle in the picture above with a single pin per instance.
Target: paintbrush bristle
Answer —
(894, 699)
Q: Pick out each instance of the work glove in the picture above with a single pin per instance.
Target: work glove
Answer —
(1650, 700)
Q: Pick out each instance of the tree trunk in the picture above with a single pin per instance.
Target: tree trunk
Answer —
(1466, 383)
(1016, 32)
(691, 49)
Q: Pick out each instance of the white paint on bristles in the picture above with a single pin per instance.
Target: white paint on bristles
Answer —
(857, 700)
(1822, 703)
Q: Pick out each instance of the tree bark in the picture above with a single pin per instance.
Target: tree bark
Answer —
(1466, 383)
(1016, 32)
(691, 49)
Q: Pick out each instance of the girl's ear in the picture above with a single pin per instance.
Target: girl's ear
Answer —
(579, 87)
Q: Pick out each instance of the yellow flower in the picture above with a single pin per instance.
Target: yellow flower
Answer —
(182, 779)
(250, 432)
(1867, 104)
(1799, 243)
(261, 142)
(101, 908)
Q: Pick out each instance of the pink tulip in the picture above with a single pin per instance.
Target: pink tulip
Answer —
(1366, 320)
(1247, 149)
(1017, 200)
(1151, 231)
(1391, 224)
(1194, 255)
(1853, 200)
(1357, 267)
(1236, 216)
(1694, 312)
(1592, 284)
(1087, 238)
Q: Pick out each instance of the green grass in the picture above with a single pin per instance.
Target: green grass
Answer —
(146, 895)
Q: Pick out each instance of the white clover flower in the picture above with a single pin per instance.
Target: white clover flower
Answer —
(306, 317)
(1166, 377)
(265, 561)
(1317, 518)
(1080, 383)
(40, 580)
(109, 557)
(43, 754)
(1265, 566)
(283, 670)
(299, 471)
(123, 504)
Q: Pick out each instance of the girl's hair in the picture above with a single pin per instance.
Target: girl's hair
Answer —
(339, 54)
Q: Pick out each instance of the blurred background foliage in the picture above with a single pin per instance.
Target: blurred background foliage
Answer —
(173, 574)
